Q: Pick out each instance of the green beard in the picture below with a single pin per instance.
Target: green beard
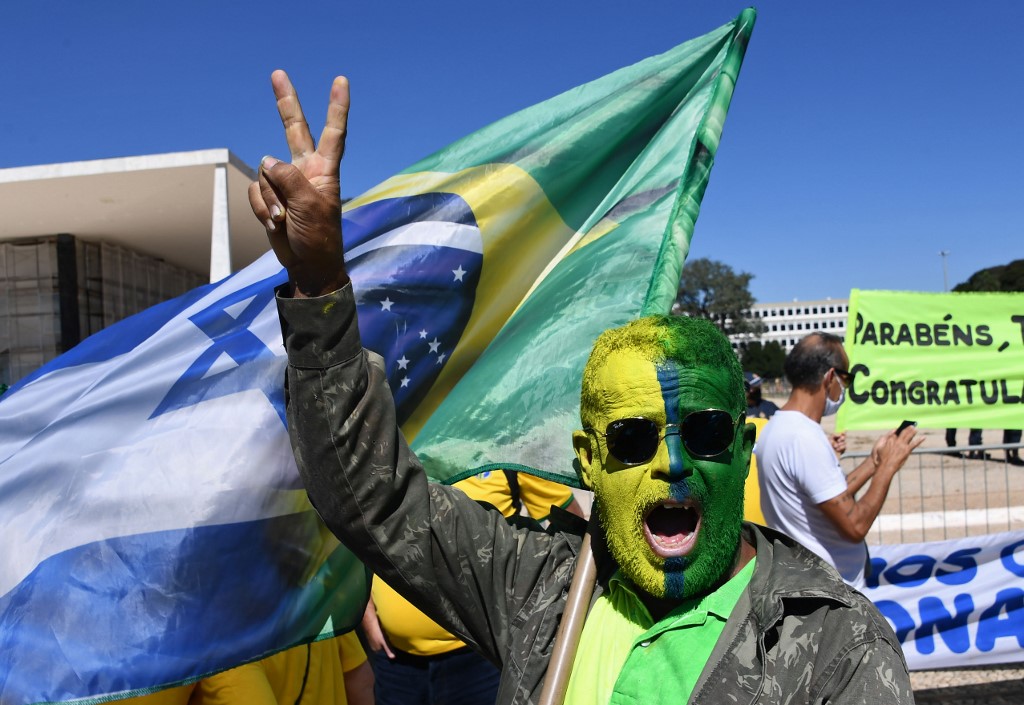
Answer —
(709, 565)
(698, 573)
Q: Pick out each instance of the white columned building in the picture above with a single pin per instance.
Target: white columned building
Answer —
(85, 244)
(787, 322)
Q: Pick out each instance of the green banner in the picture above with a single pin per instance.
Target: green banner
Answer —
(942, 360)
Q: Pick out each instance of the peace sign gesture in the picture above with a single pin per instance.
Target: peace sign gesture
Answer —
(300, 203)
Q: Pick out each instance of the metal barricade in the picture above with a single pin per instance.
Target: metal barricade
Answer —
(947, 493)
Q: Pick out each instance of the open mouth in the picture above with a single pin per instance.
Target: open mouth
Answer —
(671, 527)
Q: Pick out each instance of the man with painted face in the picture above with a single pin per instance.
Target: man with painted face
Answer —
(804, 492)
(691, 604)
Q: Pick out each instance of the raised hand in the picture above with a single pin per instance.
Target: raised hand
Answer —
(892, 450)
(300, 203)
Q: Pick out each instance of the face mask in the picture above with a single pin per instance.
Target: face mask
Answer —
(831, 407)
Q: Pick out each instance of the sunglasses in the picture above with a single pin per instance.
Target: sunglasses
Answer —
(845, 375)
(635, 441)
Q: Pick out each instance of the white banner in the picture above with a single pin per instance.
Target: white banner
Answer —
(953, 603)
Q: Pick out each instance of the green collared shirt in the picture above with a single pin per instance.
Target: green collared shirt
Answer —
(625, 657)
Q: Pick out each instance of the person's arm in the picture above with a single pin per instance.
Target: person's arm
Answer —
(357, 671)
(459, 563)
(375, 638)
(853, 517)
(870, 672)
(359, 685)
(861, 474)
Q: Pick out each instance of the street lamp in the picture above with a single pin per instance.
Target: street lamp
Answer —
(945, 275)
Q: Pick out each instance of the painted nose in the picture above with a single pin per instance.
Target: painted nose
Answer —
(677, 467)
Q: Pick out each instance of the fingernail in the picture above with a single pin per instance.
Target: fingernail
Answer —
(276, 212)
(270, 225)
(267, 162)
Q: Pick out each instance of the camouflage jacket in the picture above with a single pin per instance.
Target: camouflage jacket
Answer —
(797, 635)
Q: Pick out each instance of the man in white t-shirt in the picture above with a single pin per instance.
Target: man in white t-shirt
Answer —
(803, 490)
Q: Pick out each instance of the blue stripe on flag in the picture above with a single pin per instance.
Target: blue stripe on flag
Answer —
(116, 615)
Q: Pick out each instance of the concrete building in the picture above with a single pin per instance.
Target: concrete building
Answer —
(85, 244)
(787, 322)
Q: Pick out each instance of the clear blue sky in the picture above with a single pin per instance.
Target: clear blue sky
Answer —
(863, 137)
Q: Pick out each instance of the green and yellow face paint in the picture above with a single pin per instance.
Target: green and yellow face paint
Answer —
(672, 522)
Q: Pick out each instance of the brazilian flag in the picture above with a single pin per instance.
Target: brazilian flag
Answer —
(585, 206)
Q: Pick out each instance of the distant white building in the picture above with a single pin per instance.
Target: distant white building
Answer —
(788, 322)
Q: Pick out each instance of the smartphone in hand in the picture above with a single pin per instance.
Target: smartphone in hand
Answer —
(904, 425)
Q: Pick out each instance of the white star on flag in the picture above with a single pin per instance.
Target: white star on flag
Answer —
(405, 381)
(386, 304)
(440, 358)
(403, 363)
(423, 335)
(434, 345)
(459, 273)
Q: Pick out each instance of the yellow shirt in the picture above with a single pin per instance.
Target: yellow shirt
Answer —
(751, 490)
(275, 679)
(412, 631)
(537, 495)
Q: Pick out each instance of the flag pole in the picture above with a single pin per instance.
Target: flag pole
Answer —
(567, 640)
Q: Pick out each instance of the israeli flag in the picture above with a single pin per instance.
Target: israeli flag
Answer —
(154, 523)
